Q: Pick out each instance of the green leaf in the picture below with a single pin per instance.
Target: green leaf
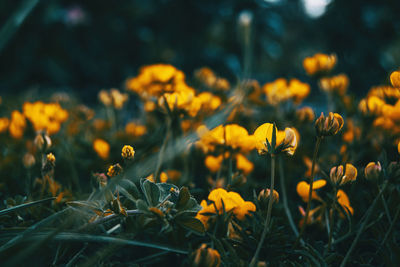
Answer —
(151, 192)
(85, 205)
(142, 205)
(192, 205)
(130, 188)
(165, 190)
(183, 198)
(126, 194)
(191, 224)
(23, 206)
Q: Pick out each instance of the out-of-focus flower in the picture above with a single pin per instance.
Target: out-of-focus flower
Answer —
(28, 160)
(163, 177)
(281, 90)
(134, 129)
(398, 147)
(210, 79)
(305, 114)
(352, 132)
(213, 163)
(114, 170)
(113, 98)
(308, 162)
(243, 164)
(42, 141)
(44, 116)
(336, 84)
(4, 122)
(263, 197)
(341, 176)
(286, 141)
(205, 257)
(232, 201)
(395, 79)
(303, 189)
(209, 102)
(17, 124)
(319, 63)
(128, 152)
(330, 125)
(102, 148)
(344, 201)
(372, 170)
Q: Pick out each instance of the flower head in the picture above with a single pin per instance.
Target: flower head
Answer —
(395, 78)
(128, 152)
(341, 176)
(285, 141)
(372, 170)
(319, 63)
(205, 257)
(330, 125)
(114, 170)
(102, 148)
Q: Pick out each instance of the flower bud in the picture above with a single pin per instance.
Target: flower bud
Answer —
(395, 79)
(28, 160)
(114, 170)
(205, 257)
(305, 114)
(339, 176)
(127, 152)
(372, 170)
(264, 196)
(42, 141)
(330, 125)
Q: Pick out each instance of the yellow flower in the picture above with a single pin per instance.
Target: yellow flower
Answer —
(305, 114)
(303, 189)
(17, 124)
(114, 170)
(330, 125)
(340, 176)
(134, 129)
(128, 152)
(243, 164)
(337, 84)
(213, 163)
(395, 78)
(319, 63)
(205, 257)
(286, 141)
(232, 201)
(4, 122)
(163, 177)
(398, 147)
(344, 201)
(281, 90)
(373, 170)
(102, 148)
(51, 158)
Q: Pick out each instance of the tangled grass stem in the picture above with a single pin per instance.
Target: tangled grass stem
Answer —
(268, 219)
(314, 160)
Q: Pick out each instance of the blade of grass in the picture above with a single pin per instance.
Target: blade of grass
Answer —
(25, 205)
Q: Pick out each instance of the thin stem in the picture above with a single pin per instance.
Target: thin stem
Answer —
(386, 209)
(162, 151)
(331, 221)
(362, 227)
(396, 216)
(314, 160)
(284, 198)
(267, 221)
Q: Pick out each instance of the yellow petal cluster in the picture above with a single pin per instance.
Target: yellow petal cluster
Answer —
(231, 135)
(210, 79)
(135, 130)
(113, 98)
(340, 175)
(17, 124)
(282, 90)
(286, 140)
(4, 122)
(48, 117)
(319, 63)
(232, 201)
(303, 189)
(395, 79)
(336, 84)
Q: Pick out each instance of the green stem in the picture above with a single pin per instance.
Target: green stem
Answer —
(363, 225)
(314, 160)
(268, 219)
(284, 198)
(331, 221)
(162, 151)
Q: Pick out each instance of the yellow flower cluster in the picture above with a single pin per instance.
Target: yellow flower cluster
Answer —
(134, 129)
(282, 90)
(213, 163)
(319, 63)
(44, 116)
(127, 152)
(113, 98)
(336, 84)
(383, 102)
(231, 135)
(232, 201)
(17, 124)
(4, 122)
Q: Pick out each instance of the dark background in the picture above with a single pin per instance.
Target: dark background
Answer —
(83, 46)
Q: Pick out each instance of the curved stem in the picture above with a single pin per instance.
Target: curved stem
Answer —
(267, 221)
(314, 160)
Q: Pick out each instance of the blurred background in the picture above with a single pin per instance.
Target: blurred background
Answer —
(84, 46)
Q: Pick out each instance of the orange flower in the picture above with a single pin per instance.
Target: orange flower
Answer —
(336, 84)
(319, 63)
(243, 164)
(4, 122)
(330, 125)
(339, 177)
(281, 90)
(17, 124)
(395, 78)
(344, 201)
(102, 148)
(286, 141)
(213, 163)
(303, 189)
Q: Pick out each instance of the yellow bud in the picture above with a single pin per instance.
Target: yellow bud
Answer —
(330, 125)
(114, 170)
(128, 152)
(372, 170)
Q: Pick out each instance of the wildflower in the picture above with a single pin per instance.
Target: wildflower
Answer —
(243, 164)
(305, 114)
(352, 132)
(329, 125)
(128, 152)
(303, 188)
(232, 201)
(17, 124)
(42, 141)
(339, 176)
(286, 141)
(118, 98)
(344, 201)
(205, 257)
(213, 163)
(398, 147)
(319, 63)
(4, 122)
(135, 130)
(51, 158)
(337, 84)
(372, 170)
(28, 160)
(395, 79)
(210, 79)
(102, 148)
(264, 195)
(114, 170)
(281, 90)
